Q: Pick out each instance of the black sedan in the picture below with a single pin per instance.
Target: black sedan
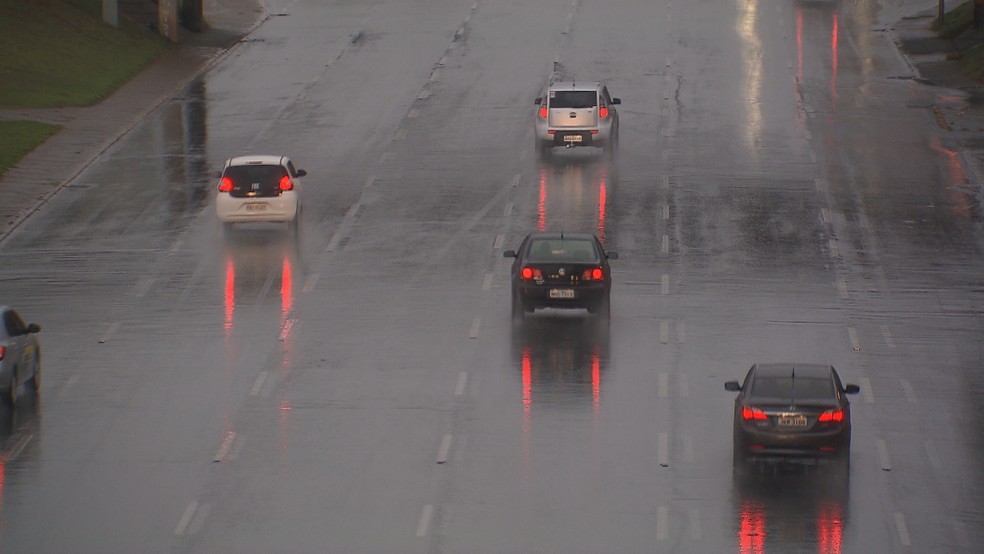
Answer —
(560, 270)
(791, 412)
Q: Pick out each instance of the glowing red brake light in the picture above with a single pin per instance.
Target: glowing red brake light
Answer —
(286, 183)
(594, 274)
(603, 112)
(531, 273)
(3, 350)
(753, 413)
(225, 185)
(831, 416)
(543, 112)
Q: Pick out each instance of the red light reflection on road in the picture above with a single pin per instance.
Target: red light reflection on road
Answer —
(541, 207)
(751, 531)
(602, 202)
(230, 294)
(596, 379)
(830, 528)
(799, 45)
(962, 204)
(286, 288)
(834, 41)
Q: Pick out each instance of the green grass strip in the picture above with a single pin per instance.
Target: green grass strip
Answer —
(17, 138)
(57, 54)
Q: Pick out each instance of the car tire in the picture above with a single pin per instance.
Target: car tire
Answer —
(36, 378)
(12, 389)
(739, 461)
(543, 150)
(518, 310)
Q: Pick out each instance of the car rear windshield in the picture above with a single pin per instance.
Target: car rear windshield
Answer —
(576, 99)
(793, 387)
(562, 250)
(255, 180)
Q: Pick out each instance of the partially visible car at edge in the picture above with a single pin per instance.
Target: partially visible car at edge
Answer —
(791, 412)
(258, 189)
(20, 355)
(560, 270)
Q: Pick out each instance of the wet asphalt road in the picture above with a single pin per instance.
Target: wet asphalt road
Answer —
(779, 194)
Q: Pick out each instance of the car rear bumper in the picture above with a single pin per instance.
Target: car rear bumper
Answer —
(585, 297)
(757, 444)
(556, 136)
(240, 210)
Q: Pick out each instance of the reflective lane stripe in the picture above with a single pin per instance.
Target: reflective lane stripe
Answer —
(258, 383)
(186, 518)
(662, 450)
(662, 523)
(425, 518)
(866, 391)
(459, 387)
(886, 461)
(903, 530)
(476, 324)
(442, 452)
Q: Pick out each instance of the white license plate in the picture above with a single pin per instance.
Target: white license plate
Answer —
(791, 421)
(255, 207)
(573, 138)
(561, 293)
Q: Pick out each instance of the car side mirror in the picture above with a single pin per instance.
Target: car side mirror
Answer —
(611, 255)
(732, 386)
(216, 174)
(851, 389)
(538, 100)
(616, 100)
(508, 253)
(301, 173)
(33, 328)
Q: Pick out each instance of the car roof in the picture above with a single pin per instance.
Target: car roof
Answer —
(562, 236)
(575, 85)
(816, 371)
(256, 160)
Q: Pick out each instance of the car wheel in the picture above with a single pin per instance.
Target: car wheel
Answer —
(36, 378)
(518, 310)
(12, 389)
(739, 461)
(542, 150)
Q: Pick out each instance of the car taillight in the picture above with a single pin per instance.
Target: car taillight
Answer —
(603, 112)
(3, 350)
(831, 416)
(543, 112)
(594, 274)
(753, 413)
(225, 185)
(531, 273)
(286, 183)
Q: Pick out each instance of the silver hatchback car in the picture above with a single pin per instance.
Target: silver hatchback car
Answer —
(576, 114)
(20, 354)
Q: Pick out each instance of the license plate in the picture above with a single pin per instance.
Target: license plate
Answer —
(791, 420)
(561, 293)
(573, 138)
(255, 207)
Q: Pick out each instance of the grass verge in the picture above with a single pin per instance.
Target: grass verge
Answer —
(17, 138)
(56, 53)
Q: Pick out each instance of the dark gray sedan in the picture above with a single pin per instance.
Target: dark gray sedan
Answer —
(791, 412)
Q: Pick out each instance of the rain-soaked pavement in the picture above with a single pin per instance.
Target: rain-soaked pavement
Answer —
(779, 194)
